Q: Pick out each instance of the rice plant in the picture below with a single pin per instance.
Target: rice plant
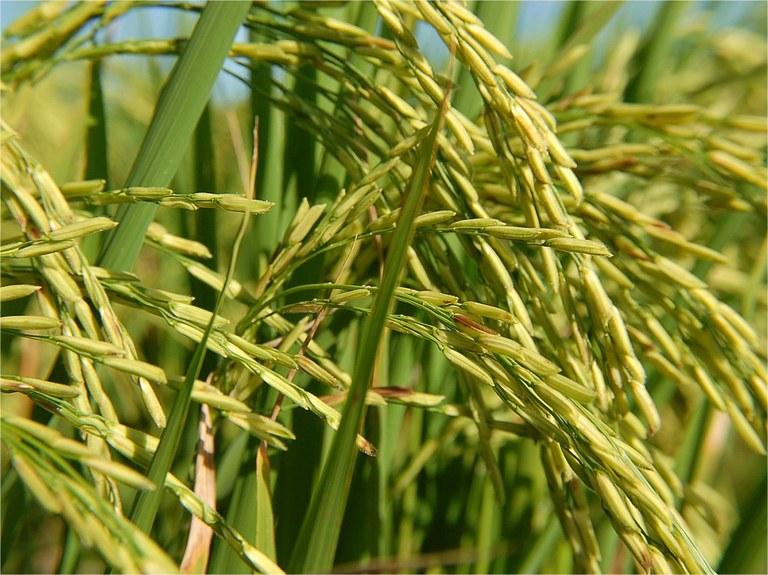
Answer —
(422, 293)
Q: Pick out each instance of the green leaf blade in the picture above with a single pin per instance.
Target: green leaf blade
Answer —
(316, 546)
(181, 103)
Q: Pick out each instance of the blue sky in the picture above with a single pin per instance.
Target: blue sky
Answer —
(535, 17)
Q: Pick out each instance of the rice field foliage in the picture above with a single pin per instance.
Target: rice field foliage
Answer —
(499, 309)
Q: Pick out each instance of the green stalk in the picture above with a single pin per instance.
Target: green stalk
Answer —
(653, 55)
(240, 513)
(178, 110)
(571, 18)
(298, 470)
(149, 501)
(360, 544)
(96, 147)
(746, 551)
(689, 453)
(542, 547)
(485, 530)
(408, 535)
(265, 520)
(205, 225)
(13, 501)
(589, 26)
(250, 511)
(578, 11)
(755, 283)
(388, 447)
(264, 238)
(231, 475)
(96, 136)
(316, 546)
(70, 557)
